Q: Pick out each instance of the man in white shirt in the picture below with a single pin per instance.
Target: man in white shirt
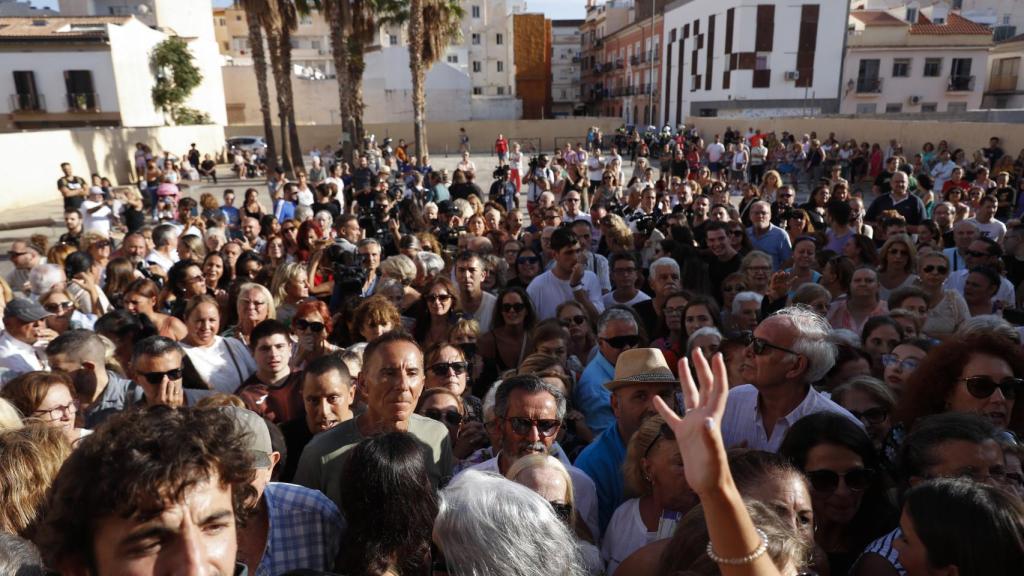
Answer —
(23, 319)
(758, 157)
(715, 152)
(470, 275)
(571, 202)
(942, 170)
(567, 280)
(97, 212)
(789, 351)
(592, 261)
(986, 221)
(165, 241)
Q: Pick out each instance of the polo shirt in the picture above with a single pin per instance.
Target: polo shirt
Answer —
(742, 424)
(602, 461)
(911, 208)
(119, 394)
(775, 242)
(592, 398)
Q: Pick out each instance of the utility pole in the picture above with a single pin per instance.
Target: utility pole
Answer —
(651, 71)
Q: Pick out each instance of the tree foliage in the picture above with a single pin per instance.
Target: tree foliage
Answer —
(176, 77)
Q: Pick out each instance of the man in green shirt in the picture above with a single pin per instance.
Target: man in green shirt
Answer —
(392, 379)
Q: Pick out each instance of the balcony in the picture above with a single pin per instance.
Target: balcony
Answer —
(83, 102)
(869, 85)
(1003, 83)
(28, 103)
(620, 63)
(960, 84)
(634, 60)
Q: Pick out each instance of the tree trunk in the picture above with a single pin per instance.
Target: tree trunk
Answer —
(416, 66)
(340, 52)
(259, 62)
(356, 65)
(289, 99)
(274, 44)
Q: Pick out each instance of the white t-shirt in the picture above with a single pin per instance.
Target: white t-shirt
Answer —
(993, 229)
(485, 312)
(305, 197)
(715, 152)
(98, 221)
(547, 291)
(595, 168)
(609, 299)
(224, 365)
(625, 534)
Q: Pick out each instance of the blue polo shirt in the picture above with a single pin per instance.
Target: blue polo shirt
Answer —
(602, 461)
(592, 398)
(774, 242)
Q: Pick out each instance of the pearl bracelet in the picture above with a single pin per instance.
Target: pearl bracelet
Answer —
(749, 558)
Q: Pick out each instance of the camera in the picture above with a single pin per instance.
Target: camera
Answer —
(347, 268)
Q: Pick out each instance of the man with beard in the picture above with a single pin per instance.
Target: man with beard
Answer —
(529, 413)
(99, 392)
(640, 375)
(392, 378)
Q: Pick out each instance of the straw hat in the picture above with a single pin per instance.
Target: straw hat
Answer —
(641, 366)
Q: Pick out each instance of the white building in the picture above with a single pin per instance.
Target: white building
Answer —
(22, 8)
(1004, 17)
(487, 38)
(566, 44)
(733, 58)
(1005, 88)
(894, 66)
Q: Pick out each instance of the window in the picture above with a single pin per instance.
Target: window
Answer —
(475, 11)
(453, 59)
(901, 68)
(478, 91)
(562, 92)
(501, 90)
(956, 107)
(26, 97)
(501, 66)
(932, 67)
(911, 15)
(315, 45)
(499, 39)
(476, 39)
(393, 39)
(81, 94)
(761, 63)
(223, 22)
(893, 108)
(476, 66)
(929, 107)
(867, 108)
(960, 75)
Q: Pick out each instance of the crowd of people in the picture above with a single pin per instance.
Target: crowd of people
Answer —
(389, 371)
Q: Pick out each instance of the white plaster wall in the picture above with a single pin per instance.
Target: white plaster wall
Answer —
(130, 49)
(49, 67)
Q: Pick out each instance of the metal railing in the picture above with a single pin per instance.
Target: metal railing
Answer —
(960, 84)
(1002, 83)
(83, 102)
(869, 85)
(28, 103)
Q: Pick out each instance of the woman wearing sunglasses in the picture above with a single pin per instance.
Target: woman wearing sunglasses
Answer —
(848, 488)
(582, 334)
(980, 374)
(446, 368)
(527, 267)
(438, 313)
(505, 346)
(311, 325)
(947, 309)
(446, 407)
(65, 316)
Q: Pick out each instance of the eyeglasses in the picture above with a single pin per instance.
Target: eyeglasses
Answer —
(528, 259)
(906, 364)
(59, 307)
(577, 320)
(931, 269)
(307, 325)
(195, 279)
(513, 307)
(873, 416)
(101, 244)
(981, 387)
(254, 303)
(158, 377)
(620, 342)
(451, 417)
(760, 346)
(734, 288)
(442, 368)
(57, 412)
(827, 481)
(674, 310)
(439, 297)
(16, 254)
(523, 426)
(562, 510)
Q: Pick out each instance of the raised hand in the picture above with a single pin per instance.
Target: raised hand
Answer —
(699, 432)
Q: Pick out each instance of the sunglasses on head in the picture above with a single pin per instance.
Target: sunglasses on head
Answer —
(562, 510)
(932, 268)
(513, 307)
(447, 416)
(307, 325)
(620, 342)
(873, 416)
(58, 307)
(523, 426)
(982, 387)
(158, 377)
(663, 432)
(442, 368)
(827, 481)
(528, 259)
(577, 320)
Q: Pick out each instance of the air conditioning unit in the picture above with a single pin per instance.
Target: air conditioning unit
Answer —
(793, 75)
(914, 100)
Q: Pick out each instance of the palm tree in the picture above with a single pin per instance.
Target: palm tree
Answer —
(433, 25)
(262, 14)
(290, 11)
(338, 13)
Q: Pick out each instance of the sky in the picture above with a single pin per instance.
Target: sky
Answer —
(553, 9)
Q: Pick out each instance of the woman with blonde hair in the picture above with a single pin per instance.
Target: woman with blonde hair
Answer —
(58, 253)
(616, 234)
(255, 304)
(289, 287)
(32, 456)
(10, 417)
(897, 262)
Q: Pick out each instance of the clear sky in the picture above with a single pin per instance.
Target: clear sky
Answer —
(554, 9)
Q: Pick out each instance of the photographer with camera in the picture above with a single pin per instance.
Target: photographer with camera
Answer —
(539, 179)
(503, 190)
(379, 220)
(644, 216)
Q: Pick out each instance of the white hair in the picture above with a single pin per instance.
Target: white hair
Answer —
(989, 324)
(325, 215)
(845, 336)
(432, 263)
(742, 297)
(216, 232)
(615, 313)
(463, 208)
(303, 213)
(970, 223)
(664, 262)
(700, 332)
(811, 340)
(488, 525)
(399, 267)
(44, 277)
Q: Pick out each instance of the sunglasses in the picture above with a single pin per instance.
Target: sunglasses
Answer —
(737, 232)
(451, 417)
(976, 254)
(562, 510)
(307, 325)
(523, 426)
(760, 346)
(58, 307)
(439, 297)
(158, 377)
(873, 416)
(620, 342)
(577, 320)
(101, 244)
(827, 481)
(981, 387)
(931, 268)
(663, 432)
(442, 368)
(736, 288)
(528, 259)
(513, 307)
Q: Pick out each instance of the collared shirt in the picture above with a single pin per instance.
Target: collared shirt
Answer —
(592, 398)
(18, 357)
(119, 394)
(1007, 294)
(742, 424)
(305, 530)
(774, 242)
(602, 461)
(885, 547)
(583, 489)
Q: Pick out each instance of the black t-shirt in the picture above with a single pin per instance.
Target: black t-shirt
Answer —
(910, 208)
(296, 436)
(72, 183)
(70, 239)
(1007, 200)
(718, 271)
(329, 206)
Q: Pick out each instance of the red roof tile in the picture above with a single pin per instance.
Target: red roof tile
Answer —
(955, 25)
(877, 18)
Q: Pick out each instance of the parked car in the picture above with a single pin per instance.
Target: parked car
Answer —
(254, 144)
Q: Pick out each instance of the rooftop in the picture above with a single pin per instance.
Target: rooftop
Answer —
(876, 18)
(57, 27)
(956, 25)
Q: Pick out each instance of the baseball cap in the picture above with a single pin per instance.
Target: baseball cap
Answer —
(25, 310)
(257, 436)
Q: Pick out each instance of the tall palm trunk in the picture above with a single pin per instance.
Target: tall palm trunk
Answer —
(339, 12)
(259, 62)
(419, 73)
(274, 44)
(289, 99)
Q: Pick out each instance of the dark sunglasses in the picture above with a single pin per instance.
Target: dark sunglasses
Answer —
(307, 325)
(827, 481)
(101, 244)
(577, 320)
(663, 432)
(523, 426)
(735, 288)
(873, 416)
(620, 342)
(58, 307)
(528, 259)
(442, 368)
(438, 297)
(513, 307)
(930, 268)
(562, 510)
(760, 346)
(976, 254)
(158, 377)
(982, 387)
(451, 417)
(737, 232)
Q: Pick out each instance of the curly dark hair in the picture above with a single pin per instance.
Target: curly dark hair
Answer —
(134, 464)
(931, 385)
(389, 505)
